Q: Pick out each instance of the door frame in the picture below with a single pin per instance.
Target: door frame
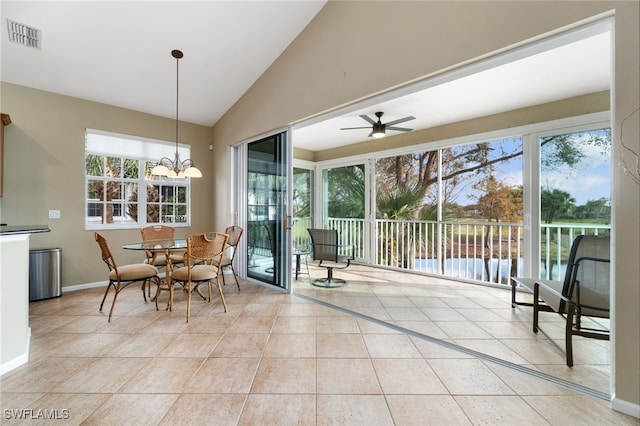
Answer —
(239, 203)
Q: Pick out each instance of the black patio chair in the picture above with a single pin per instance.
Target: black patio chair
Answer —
(326, 249)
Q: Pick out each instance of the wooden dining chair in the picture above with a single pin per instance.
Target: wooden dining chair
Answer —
(234, 232)
(155, 257)
(158, 258)
(204, 252)
(121, 276)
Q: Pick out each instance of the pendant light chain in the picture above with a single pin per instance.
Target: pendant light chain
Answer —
(176, 168)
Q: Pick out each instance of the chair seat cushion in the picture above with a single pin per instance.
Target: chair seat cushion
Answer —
(136, 271)
(198, 273)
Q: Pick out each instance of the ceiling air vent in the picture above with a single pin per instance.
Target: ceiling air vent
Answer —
(24, 34)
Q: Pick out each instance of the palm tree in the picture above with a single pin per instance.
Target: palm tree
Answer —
(555, 202)
(402, 202)
(106, 190)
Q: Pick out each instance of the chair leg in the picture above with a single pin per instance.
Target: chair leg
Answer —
(188, 300)
(568, 337)
(235, 277)
(105, 295)
(158, 290)
(113, 304)
(145, 283)
(170, 301)
(157, 281)
(224, 303)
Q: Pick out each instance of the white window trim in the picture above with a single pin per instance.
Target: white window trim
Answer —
(105, 143)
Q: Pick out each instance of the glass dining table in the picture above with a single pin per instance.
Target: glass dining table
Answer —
(165, 247)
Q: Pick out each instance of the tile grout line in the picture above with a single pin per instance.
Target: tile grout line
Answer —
(573, 386)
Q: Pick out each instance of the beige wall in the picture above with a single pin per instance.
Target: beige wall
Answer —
(329, 66)
(44, 169)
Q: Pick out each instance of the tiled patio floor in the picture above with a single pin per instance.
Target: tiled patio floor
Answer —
(475, 317)
(278, 359)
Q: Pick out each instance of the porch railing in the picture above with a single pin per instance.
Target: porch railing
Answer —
(478, 251)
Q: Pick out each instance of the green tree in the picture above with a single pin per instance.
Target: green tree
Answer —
(555, 202)
(563, 149)
(497, 201)
(301, 192)
(153, 212)
(460, 163)
(599, 209)
(345, 192)
(116, 167)
(402, 202)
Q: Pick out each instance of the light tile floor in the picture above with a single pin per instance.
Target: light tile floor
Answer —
(388, 348)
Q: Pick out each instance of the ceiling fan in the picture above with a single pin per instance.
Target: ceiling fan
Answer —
(379, 128)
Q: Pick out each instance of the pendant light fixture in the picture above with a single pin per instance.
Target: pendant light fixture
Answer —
(176, 168)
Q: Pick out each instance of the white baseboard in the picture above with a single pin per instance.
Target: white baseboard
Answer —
(91, 285)
(625, 407)
(16, 362)
(83, 286)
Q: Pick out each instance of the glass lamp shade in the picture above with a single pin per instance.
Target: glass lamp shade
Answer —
(378, 134)
(192, 172)
(160, 170)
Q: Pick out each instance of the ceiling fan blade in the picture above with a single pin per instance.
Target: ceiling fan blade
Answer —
(401, 120)
(353, 128)
(399, 129)
(367, 119)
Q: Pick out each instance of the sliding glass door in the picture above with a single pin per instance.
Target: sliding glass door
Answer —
(267, 213)
(574, 193)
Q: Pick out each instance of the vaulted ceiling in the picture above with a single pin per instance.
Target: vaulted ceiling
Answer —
(118, 53)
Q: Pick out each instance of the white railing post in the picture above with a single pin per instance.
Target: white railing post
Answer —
(429, 246)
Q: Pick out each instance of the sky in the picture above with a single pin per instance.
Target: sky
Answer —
(590, 180)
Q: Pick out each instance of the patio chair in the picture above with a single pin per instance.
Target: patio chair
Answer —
(584, 293)
(121, 276)
(326, 249)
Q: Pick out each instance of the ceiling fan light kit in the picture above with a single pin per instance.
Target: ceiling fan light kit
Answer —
(378, 128)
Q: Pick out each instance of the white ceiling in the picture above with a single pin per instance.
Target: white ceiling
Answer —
(118, 53)
(568, 70)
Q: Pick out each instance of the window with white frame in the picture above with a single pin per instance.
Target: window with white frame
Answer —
(120, 191)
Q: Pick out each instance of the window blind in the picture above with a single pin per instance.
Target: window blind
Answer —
(99, 142)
